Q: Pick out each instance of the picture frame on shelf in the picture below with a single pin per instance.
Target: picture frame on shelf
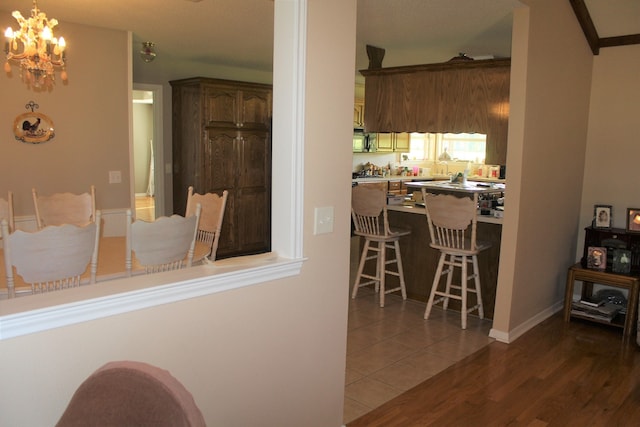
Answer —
(621, 261)
(633, 220)
(602, 217)
(597, 258)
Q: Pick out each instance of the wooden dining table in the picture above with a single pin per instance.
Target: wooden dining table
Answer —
(111, 263)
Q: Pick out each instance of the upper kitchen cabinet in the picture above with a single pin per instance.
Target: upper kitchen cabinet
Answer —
(358, 113)
(393, 141)
(456, 97)
(222, 141)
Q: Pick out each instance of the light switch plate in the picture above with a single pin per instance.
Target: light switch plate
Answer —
(115, 177)
(323, 221)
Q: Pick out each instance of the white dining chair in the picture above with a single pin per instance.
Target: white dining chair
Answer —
(211, 216)
(6, 210)
(52, 258)
(161, 245)
(64, 208)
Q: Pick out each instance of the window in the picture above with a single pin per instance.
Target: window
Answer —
(421, 146)
(469, 147)
(462, 146)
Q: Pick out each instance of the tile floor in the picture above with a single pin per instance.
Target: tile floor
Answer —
(392, 349)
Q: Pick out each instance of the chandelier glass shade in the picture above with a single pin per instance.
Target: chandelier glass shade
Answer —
(36, 50)
(148, 52)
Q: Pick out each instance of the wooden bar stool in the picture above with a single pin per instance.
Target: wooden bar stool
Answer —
(369, 213)
(452, 226)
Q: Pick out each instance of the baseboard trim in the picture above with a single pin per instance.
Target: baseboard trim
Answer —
(518, 331)
(114, 222)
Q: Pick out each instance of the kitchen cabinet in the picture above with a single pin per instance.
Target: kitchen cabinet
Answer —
(222, 141)
(457, 97)
(393, 141)
(358, 113)
(397, 187)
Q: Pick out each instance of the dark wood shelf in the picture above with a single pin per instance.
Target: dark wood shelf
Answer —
(607, 237)
(627, 321)
(617, 321)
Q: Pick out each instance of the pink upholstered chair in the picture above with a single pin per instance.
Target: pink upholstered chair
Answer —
(128, 393)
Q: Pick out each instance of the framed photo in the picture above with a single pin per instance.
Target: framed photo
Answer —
(633, 220)
(597, 258)
(602, 216)
(621, 261)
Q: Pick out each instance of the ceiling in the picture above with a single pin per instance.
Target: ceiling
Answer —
(239, 33)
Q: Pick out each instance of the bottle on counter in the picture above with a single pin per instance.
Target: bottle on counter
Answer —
(465, 174)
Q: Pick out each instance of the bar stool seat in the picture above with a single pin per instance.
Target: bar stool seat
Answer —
(369, 213)
(452, 226)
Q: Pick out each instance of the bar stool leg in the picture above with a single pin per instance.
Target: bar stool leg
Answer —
(476, 276)
(382, 263)
(363, 260)
(378, 269)
(434, 286)
(451, 265)
(403, 288)
(463, 291)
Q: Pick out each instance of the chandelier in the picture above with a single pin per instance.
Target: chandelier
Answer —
(35, 49)
(148, 52)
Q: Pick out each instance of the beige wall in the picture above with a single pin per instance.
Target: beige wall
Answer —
(551, 83)
(90, 117)
(266, 355)
(613, 147)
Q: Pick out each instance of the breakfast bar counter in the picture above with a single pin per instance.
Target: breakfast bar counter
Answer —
(419, 260)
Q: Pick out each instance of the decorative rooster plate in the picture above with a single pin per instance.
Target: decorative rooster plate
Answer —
(33, 128)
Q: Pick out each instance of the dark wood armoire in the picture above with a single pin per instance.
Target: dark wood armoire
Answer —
(222, 141)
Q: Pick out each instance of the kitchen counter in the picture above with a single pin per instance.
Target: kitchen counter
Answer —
(435, 178)
(393, 178)
(468, 187)
(419, 210)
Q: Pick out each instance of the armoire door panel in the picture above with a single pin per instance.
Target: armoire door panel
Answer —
(221, 105)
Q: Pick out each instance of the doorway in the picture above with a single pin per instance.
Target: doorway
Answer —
(147, 158)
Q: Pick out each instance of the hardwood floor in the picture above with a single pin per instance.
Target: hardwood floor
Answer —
(145, 208)
(557, 374)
